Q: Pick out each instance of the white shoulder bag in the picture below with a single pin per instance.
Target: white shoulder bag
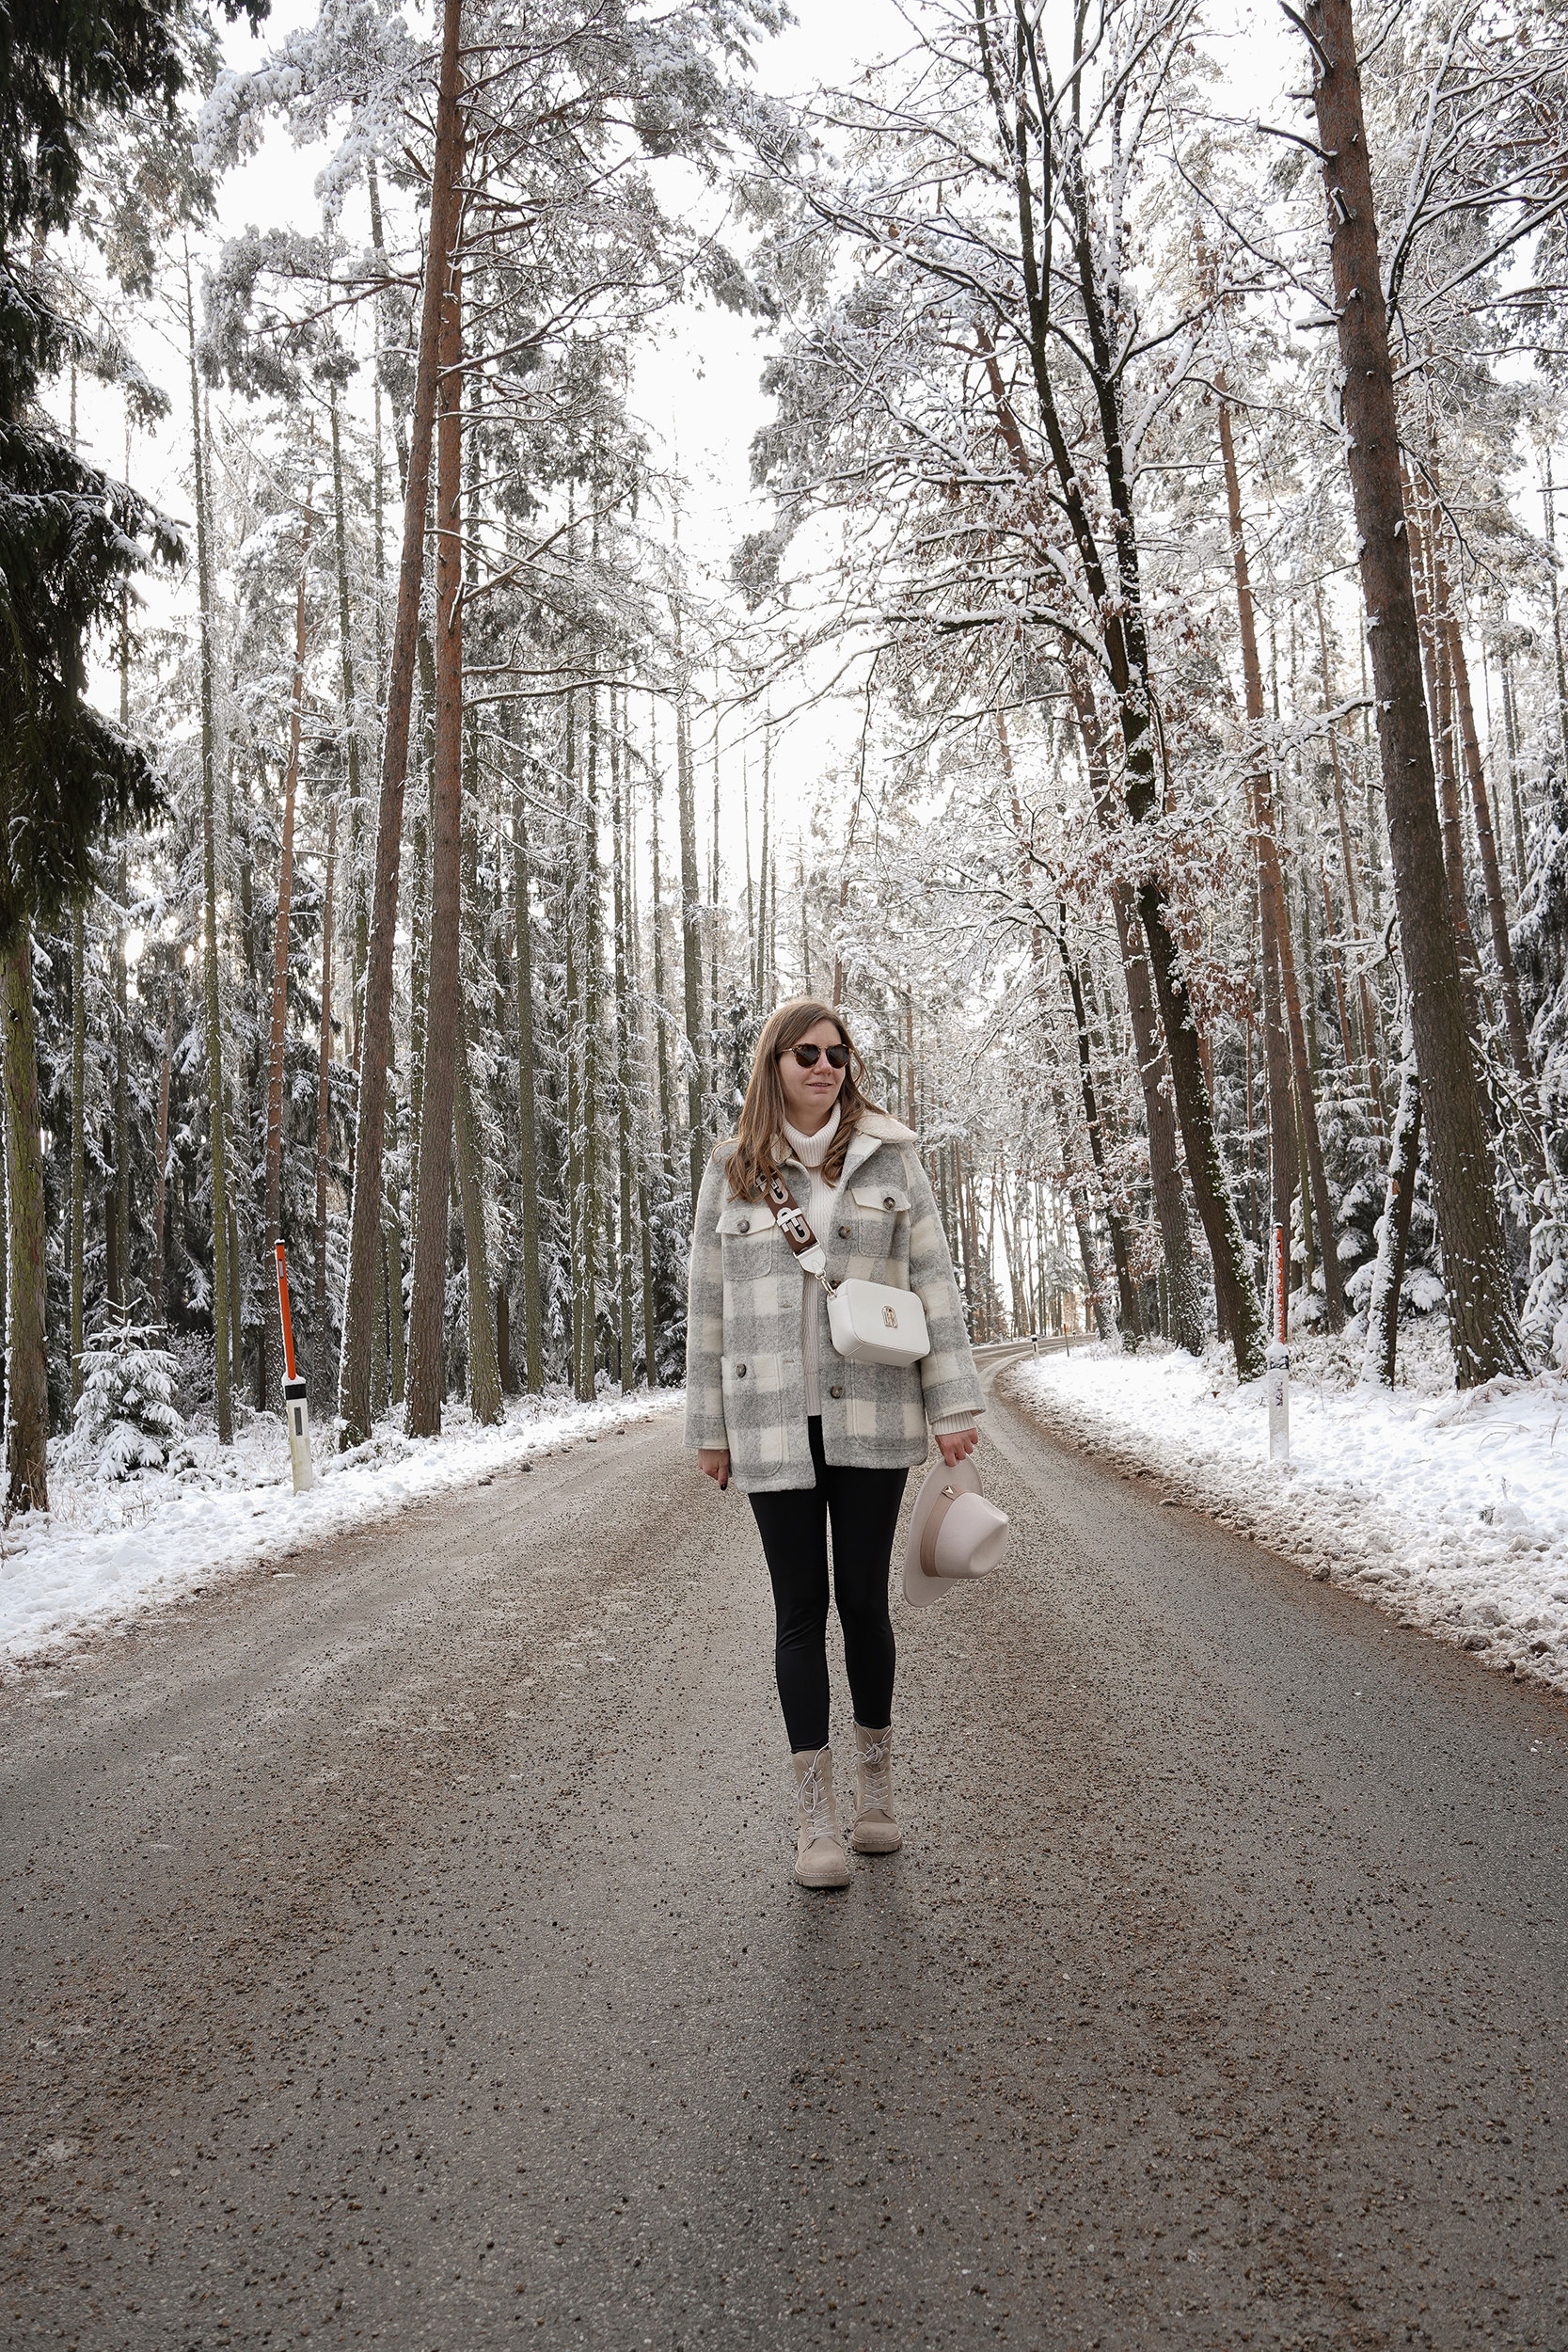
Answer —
(870, 1323)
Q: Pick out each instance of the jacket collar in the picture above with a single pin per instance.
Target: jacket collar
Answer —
(875, 1129)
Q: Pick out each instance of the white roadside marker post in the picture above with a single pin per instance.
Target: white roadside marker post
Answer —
(1278, 1374)
(296, 1394)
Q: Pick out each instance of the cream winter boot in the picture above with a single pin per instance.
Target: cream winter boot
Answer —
(874, 1830)
(820, 1859)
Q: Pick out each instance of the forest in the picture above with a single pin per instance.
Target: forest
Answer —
(407, 829)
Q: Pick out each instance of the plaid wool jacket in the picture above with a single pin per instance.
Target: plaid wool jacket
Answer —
(745, 1375)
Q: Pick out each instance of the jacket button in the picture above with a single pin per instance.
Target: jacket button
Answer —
(836, 1390)
(843, 1233)
(745, 1225)
(887, 1200)
(740, 1371)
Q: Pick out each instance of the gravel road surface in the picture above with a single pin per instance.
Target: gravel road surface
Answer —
(401, 1951)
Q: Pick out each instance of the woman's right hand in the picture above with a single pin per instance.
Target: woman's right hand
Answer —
(713, 1462)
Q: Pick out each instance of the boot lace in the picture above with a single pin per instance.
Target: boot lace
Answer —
(876, 1767)
(816, 1807)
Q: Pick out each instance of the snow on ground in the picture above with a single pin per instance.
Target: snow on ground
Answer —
(1450, 1511)
(111, 1549)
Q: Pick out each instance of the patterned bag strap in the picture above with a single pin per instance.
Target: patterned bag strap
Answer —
(796, 1232)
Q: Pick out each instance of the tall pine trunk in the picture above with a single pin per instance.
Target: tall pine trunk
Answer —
(160, 1172)
(319, 1380)
(691, 945)
(1156, 1072)
(623, 1055)
(1115, 587)
(278, 1038)
(1381, 1357)
(588, 1220)
(79, 1144)
(1369, 1010)
(26, 1341)
(1185, 1297)
(213, 998)
(426, 1368)
(365, 1219)
(1484, 1327)
(396, 1333)
(485, 1385)
(1278, 956)
(528, 1112)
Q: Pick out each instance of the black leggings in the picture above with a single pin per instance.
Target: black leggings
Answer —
(864, 1507)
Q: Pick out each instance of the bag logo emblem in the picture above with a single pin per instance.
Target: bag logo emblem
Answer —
(890, 1316)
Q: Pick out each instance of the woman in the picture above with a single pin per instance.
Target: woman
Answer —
(808, 1437)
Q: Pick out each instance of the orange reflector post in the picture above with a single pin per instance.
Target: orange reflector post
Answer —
(289, 1372)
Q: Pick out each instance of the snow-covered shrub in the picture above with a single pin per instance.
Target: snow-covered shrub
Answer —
(126, 1415)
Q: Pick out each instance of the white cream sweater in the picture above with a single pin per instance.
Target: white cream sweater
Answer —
(811, 1151)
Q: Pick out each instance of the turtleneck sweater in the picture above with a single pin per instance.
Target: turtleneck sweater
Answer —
(811, 1151)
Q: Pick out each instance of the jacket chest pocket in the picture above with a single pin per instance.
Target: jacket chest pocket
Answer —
(881, 1221)
(745, 1228)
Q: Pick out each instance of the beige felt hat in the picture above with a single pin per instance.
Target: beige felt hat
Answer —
(954, 1533)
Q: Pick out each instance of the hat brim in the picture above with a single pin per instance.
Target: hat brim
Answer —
(920, 1590)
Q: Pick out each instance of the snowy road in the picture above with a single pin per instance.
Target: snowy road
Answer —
(401, 1952)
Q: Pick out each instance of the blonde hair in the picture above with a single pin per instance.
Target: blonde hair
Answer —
(753, 1162)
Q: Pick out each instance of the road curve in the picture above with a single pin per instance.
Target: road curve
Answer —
(402, 1953)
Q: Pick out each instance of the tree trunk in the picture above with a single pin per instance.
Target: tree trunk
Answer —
(1496, 911)
(235, 1288)
(1380, 1361)
(1127, 1297)
(160, 1173)
(484, 1382)
(278, 1040)
(1160, 1120)
(1369, 1010)
(589, 1109)
(1277, 1079)
(120, 1202)
(1422, 523)
(418, 982)
(692, 941)
(1278, 960)
(26, 1339)
(527, 1114)
(223, 1401)
(79, 1142)
(1125, 640)
(394, 1255)
(1483, 1323)
(365, 1221)
(503, 1339)
(320, 1377)
(661, 1046)
(1511, 730)
(426, 1368)
(345, 639)
(622, 1058)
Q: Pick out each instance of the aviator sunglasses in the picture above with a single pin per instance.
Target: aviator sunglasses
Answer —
(806, 1054)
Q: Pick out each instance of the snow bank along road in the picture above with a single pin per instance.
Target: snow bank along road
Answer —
(401, 1953)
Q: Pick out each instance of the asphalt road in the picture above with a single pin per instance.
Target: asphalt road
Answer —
(402, 1952)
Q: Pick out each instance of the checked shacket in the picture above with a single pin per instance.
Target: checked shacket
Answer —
(757, 1328)
(811, 1151)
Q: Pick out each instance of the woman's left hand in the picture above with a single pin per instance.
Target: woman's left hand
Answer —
(955, 1446)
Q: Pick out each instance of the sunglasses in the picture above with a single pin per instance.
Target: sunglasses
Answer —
(806, 1054)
